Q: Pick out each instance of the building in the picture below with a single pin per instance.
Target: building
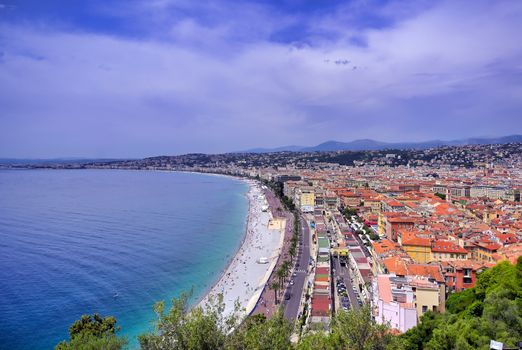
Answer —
(394, 302)
(304, 199)
(418, 248)
(394, 224)
(484, 251)
(446, 250)
(285, 178)
(427, 295)
(460, 275)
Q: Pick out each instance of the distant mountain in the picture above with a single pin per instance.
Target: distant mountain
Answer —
(277, 149)
(372, 145)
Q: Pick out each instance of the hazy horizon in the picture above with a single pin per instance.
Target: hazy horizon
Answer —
(131, 79)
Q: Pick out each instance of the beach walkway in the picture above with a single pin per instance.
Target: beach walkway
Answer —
(266, 303)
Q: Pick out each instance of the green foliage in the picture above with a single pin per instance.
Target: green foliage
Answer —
(349, 212)
(262, 334)
(93, 332)
(490, 310)
(441, 196)
(356, 329)
(201, 328)
(207, 328)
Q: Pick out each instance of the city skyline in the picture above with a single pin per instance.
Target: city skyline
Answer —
(142, 78)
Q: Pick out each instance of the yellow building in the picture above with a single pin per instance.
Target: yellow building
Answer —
(418, 248)
(446, 250)
(305, 199)
(427, 296)
(373, 204)
(419, 251)
(381, 224)
(484, 251)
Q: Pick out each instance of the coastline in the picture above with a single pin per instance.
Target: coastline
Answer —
(244, 278)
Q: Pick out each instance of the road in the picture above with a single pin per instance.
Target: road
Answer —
(303, 258)
(344, 272)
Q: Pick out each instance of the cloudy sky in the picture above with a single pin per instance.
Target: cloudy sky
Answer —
(135, 78)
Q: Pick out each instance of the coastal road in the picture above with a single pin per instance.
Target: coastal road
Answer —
(301, 274)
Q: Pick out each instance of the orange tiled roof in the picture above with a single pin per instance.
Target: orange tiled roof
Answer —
(384, 246)
(447, 247)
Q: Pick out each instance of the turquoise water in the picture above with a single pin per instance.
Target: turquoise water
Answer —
(74, 242)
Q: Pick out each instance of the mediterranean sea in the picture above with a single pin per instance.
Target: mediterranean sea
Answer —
(76, 242)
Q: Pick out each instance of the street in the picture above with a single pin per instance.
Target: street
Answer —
(344, 272)
(301, 272)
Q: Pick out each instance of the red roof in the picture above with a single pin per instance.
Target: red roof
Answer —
(320, 305)
(322, 271)
(447, 247)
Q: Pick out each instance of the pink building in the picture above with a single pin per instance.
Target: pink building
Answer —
(394, 303)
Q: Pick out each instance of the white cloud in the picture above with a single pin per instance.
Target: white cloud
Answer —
(204, 88)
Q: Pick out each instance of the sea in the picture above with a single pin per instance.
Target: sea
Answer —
(113, 242)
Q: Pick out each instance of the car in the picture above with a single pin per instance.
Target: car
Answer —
(294, 274)
(291, 282)
(345, 300)
(288, 296)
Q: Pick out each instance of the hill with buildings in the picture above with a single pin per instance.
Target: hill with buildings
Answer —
(373, 145)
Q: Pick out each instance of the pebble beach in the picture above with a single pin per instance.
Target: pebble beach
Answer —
(244, 278)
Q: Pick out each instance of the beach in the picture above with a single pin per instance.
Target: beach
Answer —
(245, 277)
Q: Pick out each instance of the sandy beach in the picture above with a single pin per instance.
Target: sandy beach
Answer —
(245, 276)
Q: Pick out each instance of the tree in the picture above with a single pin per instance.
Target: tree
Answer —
(93, 332)
(316, 341)
(355, 329)
(441, 196)
(349, 212)
(259, 333)
(490, 310)
(292, 251)
(286, 266)
(275, 287)
(203, 327)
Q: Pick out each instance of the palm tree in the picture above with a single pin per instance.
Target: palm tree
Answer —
(292, 251)
(280, 273)
(286, 269)
(275, 287)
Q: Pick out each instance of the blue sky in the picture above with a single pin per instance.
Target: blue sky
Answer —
(139, 78)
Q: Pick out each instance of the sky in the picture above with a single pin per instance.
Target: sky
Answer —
(137, 78)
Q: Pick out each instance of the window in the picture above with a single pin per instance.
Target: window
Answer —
(424, 308)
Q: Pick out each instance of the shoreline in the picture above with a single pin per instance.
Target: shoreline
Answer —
(199, 301)
(245, 285)
(244, 278)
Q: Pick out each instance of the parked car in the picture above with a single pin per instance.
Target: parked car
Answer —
(288, 296)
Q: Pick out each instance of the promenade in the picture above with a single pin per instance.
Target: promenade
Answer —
(266, 304)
